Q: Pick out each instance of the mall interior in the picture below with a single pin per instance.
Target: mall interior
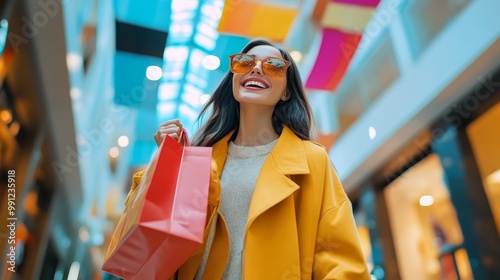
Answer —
(405, 96)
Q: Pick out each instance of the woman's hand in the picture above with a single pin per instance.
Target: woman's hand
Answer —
(171, 128)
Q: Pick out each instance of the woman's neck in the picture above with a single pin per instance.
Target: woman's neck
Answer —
(256, 127)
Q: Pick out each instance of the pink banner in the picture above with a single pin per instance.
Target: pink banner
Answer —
(336, 51)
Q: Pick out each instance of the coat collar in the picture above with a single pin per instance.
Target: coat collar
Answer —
(273, 185)
(288, 155)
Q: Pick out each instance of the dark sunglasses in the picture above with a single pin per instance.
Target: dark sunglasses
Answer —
(271, 66)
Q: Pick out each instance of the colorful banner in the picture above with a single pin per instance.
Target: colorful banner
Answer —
(336, 50)
(346, 17)
(265, 19)
(343, 23)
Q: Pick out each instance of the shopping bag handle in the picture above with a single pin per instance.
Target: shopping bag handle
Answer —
(184, 136)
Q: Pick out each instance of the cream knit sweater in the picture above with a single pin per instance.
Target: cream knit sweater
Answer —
(238, 180)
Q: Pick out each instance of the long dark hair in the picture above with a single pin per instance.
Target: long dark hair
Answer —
(224, 109)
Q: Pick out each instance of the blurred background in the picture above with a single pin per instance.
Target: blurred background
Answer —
(406, 97)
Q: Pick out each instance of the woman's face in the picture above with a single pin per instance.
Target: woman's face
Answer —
(255, 87)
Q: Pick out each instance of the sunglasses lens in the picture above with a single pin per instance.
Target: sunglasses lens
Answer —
(274, 67)
(242, 63)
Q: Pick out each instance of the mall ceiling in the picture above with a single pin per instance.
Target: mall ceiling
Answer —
(174, 37)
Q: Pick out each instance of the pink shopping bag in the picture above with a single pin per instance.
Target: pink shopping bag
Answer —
(164, 222)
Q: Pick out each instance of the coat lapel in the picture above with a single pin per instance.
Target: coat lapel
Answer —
(219, 152)
(273, 184)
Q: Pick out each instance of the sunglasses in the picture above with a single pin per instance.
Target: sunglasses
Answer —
(271, 66)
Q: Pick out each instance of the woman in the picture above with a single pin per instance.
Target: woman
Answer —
(277, 209)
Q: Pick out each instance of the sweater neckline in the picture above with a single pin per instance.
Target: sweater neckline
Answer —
(250, 151)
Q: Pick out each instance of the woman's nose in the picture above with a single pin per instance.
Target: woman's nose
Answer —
(257, 68)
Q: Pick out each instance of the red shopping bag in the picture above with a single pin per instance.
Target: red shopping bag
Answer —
(163, 224)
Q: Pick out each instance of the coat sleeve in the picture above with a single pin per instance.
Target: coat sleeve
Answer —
(136, 179)
(338, 253)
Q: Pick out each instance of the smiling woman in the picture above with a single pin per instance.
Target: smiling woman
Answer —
(277, 207)
(281, 102)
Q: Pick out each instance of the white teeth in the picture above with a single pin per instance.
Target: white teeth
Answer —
(255, 83)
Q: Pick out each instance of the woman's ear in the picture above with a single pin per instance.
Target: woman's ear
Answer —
(285, 96)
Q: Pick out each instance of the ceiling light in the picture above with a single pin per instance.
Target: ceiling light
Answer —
(14, 128)
(207, 30)
(84, 235)
(114, 152)
(123, 141)
(154, 73)
(6, 116)
(494, 177)
(166, 108)
(74, 61)
(211, 62)
(183, 5)
(204, 41)
(204, 98)
(75, 93)
(296, 55)
(168, 91)
(174, 75)
(372, 133)
(74, 270)
(187, 112)
(176, 53)
(426, 200)
(191, 95)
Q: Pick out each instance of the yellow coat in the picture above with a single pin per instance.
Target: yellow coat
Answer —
(300, 223)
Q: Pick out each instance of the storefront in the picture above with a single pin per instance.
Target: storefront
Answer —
(433, 211)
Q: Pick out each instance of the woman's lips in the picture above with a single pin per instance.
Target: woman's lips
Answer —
(255, 84)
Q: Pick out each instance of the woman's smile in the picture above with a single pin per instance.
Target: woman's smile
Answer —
(254, 84)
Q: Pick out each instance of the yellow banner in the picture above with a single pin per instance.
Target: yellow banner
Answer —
(254, 19)
(346, 17)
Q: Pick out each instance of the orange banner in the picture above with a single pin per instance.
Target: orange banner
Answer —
(271, 20)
